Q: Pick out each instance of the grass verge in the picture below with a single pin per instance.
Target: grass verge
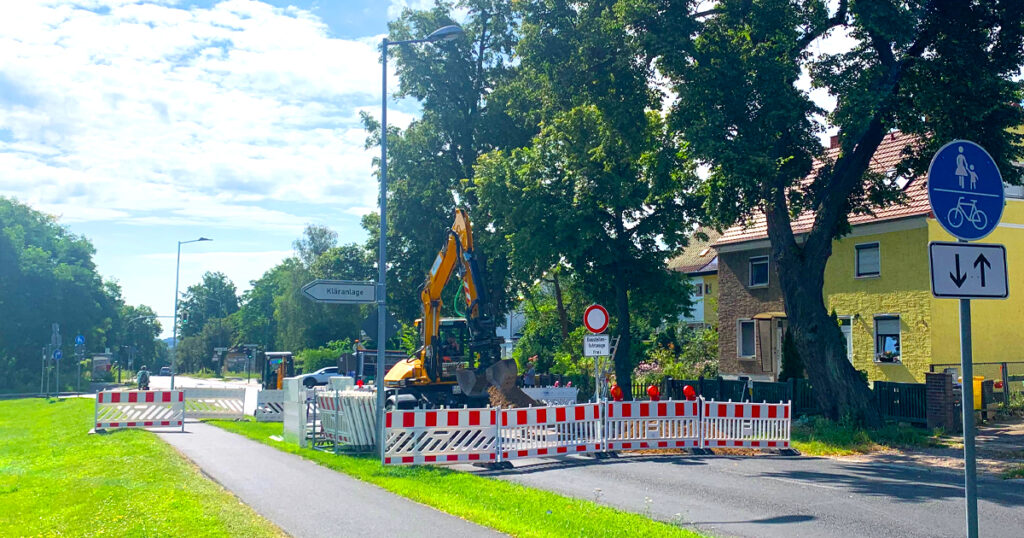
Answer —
(56, 479)
(507, 507)
(1016, 471)
(822, 437)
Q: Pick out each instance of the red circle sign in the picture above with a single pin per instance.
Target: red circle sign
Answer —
(596, 319)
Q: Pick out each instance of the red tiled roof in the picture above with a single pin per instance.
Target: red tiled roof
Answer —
(889, 153)
(698, 256)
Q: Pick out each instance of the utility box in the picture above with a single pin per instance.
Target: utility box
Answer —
(294, 411)
(341, 383)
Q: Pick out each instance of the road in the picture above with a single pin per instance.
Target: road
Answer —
(306, 499)
(787, 497)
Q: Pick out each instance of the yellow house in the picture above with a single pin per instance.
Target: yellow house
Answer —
(699, 262)
(877, 282)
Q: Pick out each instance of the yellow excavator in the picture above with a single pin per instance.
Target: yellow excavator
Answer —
(459, 361)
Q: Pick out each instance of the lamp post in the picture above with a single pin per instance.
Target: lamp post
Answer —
(445, 33)
(177, 274)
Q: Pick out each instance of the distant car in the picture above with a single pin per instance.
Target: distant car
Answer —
(165, 370)
(318, 377)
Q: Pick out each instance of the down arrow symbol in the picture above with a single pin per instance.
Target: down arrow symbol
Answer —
(958, 278)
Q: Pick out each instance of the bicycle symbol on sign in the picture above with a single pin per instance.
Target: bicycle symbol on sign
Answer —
(958, 214)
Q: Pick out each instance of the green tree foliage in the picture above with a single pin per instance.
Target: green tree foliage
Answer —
(195, 353)
(311, 360)
(792, 366)
(141, 330)
(604, 183)
(213, 298)
(467, 110)
(695, 356)
(939, 69)
(47, 276)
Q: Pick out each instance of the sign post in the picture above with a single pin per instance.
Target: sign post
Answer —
(79, 355)
(965, 190)
(596, 345)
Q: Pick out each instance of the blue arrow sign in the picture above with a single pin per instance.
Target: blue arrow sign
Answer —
(57, 354)
(965, 189)
(79, 340)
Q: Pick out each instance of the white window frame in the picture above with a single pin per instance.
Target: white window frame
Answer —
(739, 338)
(899, 337)
(856, 259)
(849, 341)
(750, 271)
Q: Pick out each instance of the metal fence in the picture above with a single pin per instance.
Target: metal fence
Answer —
(1009, 375)
(906, 402)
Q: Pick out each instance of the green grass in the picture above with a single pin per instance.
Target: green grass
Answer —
(822, 437)
(1017, 471)
(56, 479)
(507, 507)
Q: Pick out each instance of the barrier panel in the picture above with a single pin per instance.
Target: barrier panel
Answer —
(745, 425)
(648, 425)
(553, 395)
(550, 431)
(329, 416)
(441, 436)
(270, 406)
(214, 403)
(347, 417)
(140, 409)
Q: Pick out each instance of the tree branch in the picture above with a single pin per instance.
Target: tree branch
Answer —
(836, 20)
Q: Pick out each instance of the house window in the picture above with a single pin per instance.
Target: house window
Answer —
(846, 326)
(745, 338)
(698, 290)
(887, 339)
(868, 261)
(758, 271)
(707, 289)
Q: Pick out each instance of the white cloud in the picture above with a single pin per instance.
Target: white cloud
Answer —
(144, 113)
(396, 7)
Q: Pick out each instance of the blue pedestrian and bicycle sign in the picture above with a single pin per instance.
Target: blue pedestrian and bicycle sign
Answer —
(965, 189)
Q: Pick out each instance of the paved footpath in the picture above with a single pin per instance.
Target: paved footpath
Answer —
(306, 499)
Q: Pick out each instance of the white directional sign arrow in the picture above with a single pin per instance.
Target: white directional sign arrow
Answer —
(341, 291)
(968, 270)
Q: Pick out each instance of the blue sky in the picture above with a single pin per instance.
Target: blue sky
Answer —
(143, 123)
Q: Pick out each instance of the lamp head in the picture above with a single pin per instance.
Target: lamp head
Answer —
(204, 239)
(446, 33)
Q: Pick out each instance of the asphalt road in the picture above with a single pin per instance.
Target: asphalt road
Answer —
(306, 499)
(786, 497)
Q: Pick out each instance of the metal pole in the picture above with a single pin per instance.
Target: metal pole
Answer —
(42, 373)
(174, 337)
(56, 364)
(382, 261)
(967, 392)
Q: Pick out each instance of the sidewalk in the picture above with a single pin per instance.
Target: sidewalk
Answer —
(306, 499)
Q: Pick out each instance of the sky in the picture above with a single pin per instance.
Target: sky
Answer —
(141, 124)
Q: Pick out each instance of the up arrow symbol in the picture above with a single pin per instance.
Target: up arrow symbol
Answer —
(982, 261)
(958, 278)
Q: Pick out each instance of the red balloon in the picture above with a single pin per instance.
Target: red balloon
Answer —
(689, 393)
(653, 393)
(616, 393)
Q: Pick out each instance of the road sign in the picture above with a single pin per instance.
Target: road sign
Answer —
(341, 291)
(596, 345)
(965, 189)
(968, 271)
(57, 354)
(596, 318)
(79, 340)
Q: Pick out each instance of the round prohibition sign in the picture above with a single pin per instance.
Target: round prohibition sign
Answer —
(596, 319)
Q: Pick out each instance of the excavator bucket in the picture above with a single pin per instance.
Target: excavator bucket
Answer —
(502, 377)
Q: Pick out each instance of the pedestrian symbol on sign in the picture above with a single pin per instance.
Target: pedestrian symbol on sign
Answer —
(965, 190)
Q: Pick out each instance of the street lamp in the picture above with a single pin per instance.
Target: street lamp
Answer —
(445, 33)
(177, 273)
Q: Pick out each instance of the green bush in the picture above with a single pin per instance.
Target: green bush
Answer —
(311, 360)
(698, 357)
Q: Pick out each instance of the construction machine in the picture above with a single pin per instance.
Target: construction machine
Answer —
(459, 361)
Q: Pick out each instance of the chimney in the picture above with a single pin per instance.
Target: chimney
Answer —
(833, 142)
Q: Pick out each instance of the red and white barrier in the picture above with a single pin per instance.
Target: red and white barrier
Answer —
(140, 409)
(441, 436)
(745, 425)
(269, 406)
(649, 425)
(551, 431)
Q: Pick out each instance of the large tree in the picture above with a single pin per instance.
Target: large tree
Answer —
(938, 69)
(467, 109)
(602, 188)
(213, 298)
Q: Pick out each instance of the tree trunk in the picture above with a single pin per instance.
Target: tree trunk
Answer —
(563, 318)
(623, 363)
(838, 387)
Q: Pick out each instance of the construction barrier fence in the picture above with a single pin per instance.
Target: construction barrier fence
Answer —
(493, 435)
(224, 403)
(269, 406)
(139, 409)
